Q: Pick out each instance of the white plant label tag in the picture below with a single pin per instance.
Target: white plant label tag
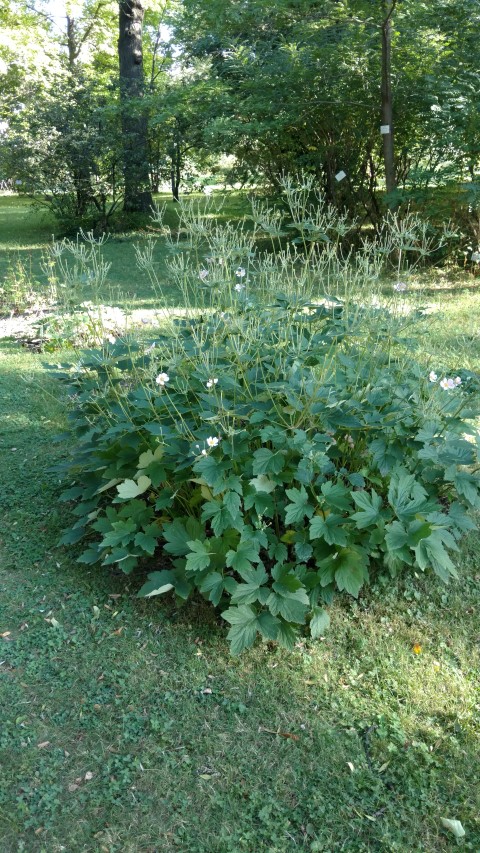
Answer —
(340, 175)
(384, 129)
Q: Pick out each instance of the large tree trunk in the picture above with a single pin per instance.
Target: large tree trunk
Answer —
(138, 196)
(387, 106)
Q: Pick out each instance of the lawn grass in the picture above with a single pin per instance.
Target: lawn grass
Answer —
(126, 726)
(26, 231)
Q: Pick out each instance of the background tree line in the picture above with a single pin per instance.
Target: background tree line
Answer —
(104, 105)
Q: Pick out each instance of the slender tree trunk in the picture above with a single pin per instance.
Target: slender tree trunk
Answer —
(176, 164)
(138, 196)
(386, 90)
(82, 164)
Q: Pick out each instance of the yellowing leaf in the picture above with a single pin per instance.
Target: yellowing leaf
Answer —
(131, 489)
(206, 493)
(289, 537)
(108, 486)
(262, 483)
(160, 590)
(454, 826)
(148, 457)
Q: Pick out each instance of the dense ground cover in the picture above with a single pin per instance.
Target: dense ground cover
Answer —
(129, 728)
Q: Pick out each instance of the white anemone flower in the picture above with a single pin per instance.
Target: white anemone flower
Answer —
(212, 441)
(240, 272)
(162, 379)
(448, 384)
(432, 376)
(203, 274)
(457, 380)
(239, 287)
(211, 383)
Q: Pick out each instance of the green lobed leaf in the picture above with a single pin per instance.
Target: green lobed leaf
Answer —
(244, 628)
(241, 560)
(319, 622)
(299, 507)
(331, 529)
(199, 556)
(370, 507)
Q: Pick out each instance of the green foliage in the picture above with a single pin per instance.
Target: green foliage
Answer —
(17, 290)
(279, 450)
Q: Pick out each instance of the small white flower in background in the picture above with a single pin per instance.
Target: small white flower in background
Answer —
(162, 379)
(448, 384)
(240, 272)
(457, 380)
(432, 376)
(204, 452)
(476, 257)
(212, 441)
(203, 274)
(111, 339)
(239, 287)
(400, 286)
(207, 190)
(211, 383)
(350, 441)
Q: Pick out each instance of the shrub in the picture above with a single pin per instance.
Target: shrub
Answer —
(276, 449)
(18, 291)
(88, 325)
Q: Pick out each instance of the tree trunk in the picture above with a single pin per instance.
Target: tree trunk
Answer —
(387, 107)
(138, 196)
(176, 164)
(80, 160)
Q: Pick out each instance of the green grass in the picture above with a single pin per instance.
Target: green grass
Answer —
(26, 232)
(127, 727)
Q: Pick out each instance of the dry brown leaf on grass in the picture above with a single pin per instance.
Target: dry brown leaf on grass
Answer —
(288, 735)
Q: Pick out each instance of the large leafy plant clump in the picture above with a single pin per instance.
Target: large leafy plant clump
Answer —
(270, 457)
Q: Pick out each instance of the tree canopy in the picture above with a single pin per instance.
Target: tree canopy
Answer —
(366, 95)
